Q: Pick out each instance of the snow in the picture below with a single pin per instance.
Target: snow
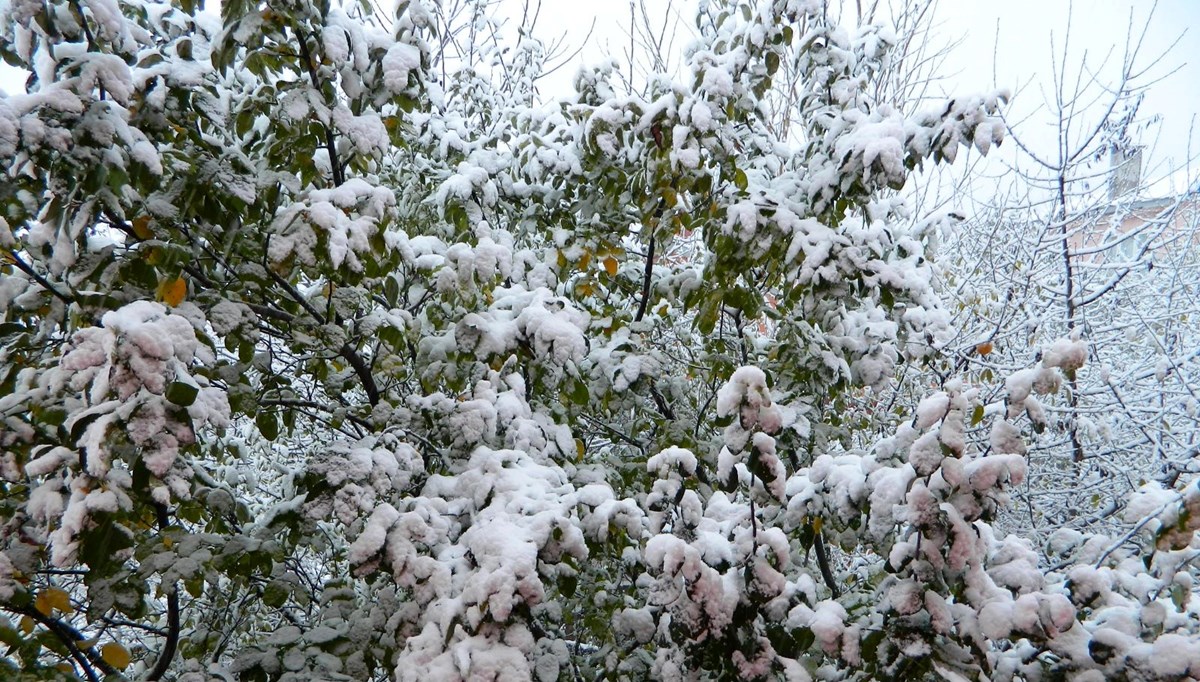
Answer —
(926, 455)
(401, 60)
(986, 473)
(745, 392)
(1150, 500)
(144, 153)
(1006, 438)
(336, 43)
(828, 624)
(717, 83)
(670, 459)
(46, 501)
(49, 462)
(365, 132)
(1065, 354)
(1173, 655)
(371, 539)
(906, 597)
(931, 410)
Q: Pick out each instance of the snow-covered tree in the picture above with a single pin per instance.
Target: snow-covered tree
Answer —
(328, 354)
(1082, 247)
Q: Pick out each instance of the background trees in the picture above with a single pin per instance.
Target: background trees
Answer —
(327, 353)
(1084, 245)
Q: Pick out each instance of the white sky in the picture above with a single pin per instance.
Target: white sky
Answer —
(1022, 33)
(1017, 33)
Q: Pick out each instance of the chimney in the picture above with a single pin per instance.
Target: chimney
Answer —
(1125, 172)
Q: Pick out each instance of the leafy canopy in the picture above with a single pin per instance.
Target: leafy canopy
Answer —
(327, 353)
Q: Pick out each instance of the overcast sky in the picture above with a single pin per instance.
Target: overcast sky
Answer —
(1004, 43)
(1028, 38)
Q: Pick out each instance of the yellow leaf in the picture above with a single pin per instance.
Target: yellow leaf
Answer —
(669, 197)
(817, 522)
(59, 599)
(580, 449)
(141, 227)
(172, 292)
(115, 655)
(27, 625)
(52, 598)
(610, 266)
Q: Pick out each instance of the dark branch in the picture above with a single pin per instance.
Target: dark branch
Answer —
(823, 564)
(346, 351)
(168, 652)
(28, 269)
(330, 143)
(646, 281)
(664, 408)
(87, 659)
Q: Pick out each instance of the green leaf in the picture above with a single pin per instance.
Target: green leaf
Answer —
(276, 593)
(744, 299)
(977, 415)
(268, 425)
(706, 319)
(808, 536)
(887, 298)
(567, 585)
(579, 392)
(101, 544)
(391, 291)
(182, 393)
(740, 180)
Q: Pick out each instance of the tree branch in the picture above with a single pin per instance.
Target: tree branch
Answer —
(168, 652)
(823, 564)
(346, 351)
(87, 659)
(330, 144)
(28, 269)
(641, 311)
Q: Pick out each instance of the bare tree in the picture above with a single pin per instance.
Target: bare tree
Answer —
(1079, 248)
